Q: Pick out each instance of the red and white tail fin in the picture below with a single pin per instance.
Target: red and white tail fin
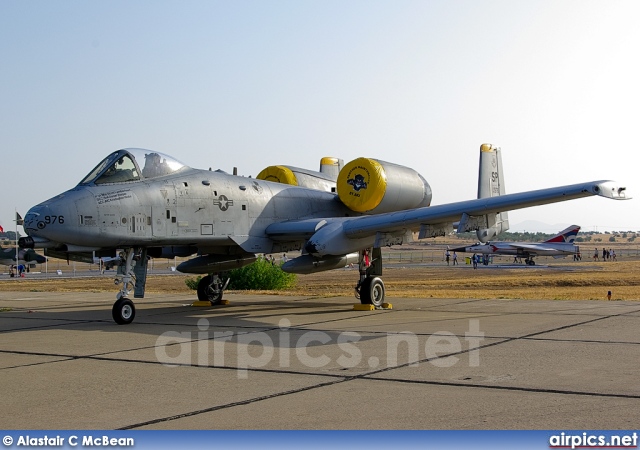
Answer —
(567, 235)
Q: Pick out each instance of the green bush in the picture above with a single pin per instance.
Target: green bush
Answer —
(192, 283)
(261, 275)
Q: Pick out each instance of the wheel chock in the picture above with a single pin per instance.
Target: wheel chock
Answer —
(207, 303)
(201, 303)
(361, 307)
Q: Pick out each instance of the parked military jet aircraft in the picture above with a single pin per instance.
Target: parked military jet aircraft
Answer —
(558, 246)
(26, 257)
(149, 204)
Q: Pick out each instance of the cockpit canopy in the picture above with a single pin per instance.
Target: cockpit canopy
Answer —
(132, 164)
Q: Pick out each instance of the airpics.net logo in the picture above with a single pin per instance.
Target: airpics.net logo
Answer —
(289, 348)
(588, 440)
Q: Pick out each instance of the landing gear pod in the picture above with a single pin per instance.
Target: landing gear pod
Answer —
(372, 186)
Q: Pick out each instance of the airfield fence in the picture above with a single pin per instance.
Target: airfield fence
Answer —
(394, 256)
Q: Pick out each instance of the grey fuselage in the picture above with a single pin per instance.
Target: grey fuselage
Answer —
(199, 208)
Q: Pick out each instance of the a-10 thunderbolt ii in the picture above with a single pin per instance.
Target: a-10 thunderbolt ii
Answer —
(150, 205)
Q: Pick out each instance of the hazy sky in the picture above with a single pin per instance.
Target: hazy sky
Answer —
(250, 84)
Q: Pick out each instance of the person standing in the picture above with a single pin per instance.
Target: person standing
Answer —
(455, 259)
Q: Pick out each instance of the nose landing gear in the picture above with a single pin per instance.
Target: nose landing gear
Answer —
(131, 277)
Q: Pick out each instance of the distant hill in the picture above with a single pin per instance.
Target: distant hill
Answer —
(534, 226)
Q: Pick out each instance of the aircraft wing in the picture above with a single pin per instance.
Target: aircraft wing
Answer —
(567, 247)
(342, 235)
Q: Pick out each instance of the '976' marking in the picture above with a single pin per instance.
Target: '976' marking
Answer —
(50, 220)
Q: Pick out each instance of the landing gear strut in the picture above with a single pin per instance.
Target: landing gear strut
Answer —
(124, 311)
(370, 288)
(211, 288)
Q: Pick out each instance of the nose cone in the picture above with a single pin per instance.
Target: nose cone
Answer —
(31, 220)
(51, 219)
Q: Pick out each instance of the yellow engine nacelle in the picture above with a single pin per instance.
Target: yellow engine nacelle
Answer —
(324, 180)
(372, 186)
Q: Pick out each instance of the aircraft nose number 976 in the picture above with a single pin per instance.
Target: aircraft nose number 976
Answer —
(48, 220)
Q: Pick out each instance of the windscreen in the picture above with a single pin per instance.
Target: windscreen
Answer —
(132, 164)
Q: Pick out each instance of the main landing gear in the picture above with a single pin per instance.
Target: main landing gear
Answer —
(211, 288)
(530, 262)
(370, 288)
(131, 276)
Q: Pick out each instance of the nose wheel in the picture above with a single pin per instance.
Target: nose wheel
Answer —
(123, 311)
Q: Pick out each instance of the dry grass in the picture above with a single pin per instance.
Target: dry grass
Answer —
(564, 281)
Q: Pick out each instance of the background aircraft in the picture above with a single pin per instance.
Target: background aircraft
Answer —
(558, 246)
(27, 257)
(151, 205)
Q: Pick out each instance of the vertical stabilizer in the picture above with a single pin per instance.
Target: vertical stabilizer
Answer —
(490, 184)
(331, 166)
(567, 235)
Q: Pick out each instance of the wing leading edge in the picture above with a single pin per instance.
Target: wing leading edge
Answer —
(339, 236)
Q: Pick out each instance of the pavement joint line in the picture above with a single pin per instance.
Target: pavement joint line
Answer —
(230, 405)
(582, 341)
(62, 323)
(99, 357)
(491, 344)
(37, 364)
(508, 388)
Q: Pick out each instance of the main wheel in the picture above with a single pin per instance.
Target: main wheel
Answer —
(372, 291)
(208, 292)
(123, 311)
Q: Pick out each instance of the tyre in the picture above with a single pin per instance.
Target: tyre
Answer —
(208, 292)
(372, 291)
(123, 311)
